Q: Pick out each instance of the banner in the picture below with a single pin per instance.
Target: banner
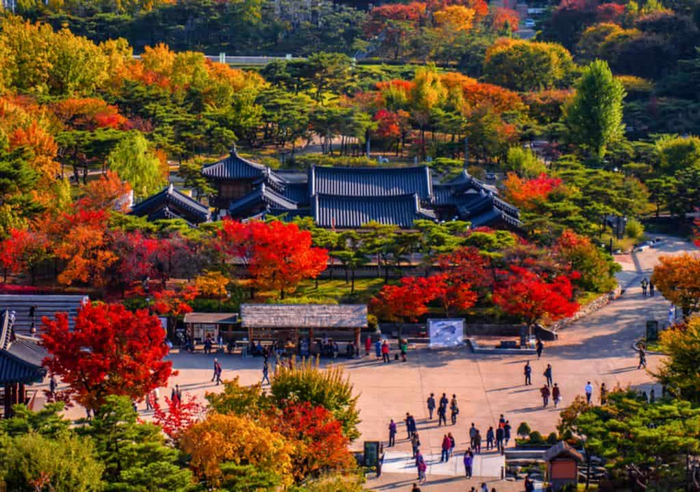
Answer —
(446, 333)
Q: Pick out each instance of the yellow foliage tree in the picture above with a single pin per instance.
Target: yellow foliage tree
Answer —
(677, 277)
(241, 440)
(455, 18)
(212, 284)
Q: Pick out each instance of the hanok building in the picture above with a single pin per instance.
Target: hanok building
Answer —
(21, 361)
(347, 198)
(171, 203)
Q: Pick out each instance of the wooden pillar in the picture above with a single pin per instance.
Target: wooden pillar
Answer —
(250, 334)
(7, 402)
(21, 394)
(357, 342)
(311, 341)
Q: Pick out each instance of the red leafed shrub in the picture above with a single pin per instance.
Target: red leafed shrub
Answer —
(178, 415)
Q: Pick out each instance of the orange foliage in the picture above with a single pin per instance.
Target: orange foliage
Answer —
(678, 278)
(454, 80)
(43, 148)
(491, 96)
(108, 192)
(89, 114)
(502, 17)
(525, 193)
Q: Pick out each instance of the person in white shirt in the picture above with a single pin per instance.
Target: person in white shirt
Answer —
(589, 392)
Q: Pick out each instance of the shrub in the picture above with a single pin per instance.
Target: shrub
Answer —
(308, 160)
(552, 438)
(536, 438)
(634, 229)
(328, 388)
(524, 430)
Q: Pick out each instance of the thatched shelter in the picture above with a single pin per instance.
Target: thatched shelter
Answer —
(293, 320)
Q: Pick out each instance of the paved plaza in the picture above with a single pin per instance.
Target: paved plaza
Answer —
(598, 348)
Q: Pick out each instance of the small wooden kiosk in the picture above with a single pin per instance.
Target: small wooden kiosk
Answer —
(562, 465)
(292, 322)
(21, 360)
(200, 325)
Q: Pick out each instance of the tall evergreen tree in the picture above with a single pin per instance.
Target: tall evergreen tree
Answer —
(594, 116)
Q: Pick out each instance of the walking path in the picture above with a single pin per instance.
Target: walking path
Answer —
(597, 348)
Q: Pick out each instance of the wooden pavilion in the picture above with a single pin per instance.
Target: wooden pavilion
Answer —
(21, 359)
(288, 323)
(562, 465)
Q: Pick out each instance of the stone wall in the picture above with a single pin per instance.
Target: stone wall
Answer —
(597, 304)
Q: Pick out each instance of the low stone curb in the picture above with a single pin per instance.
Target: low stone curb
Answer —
(498, 351)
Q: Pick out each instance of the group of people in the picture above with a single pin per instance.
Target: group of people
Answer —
(382, 349)
(442, 408)
(497, 439)
(647, 285)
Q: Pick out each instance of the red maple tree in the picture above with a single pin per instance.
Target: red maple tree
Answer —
(453, 294)
(179, 415)
(319, 443)
(532, 297)
(407, 301)
(278, 255)
(467, 265)
(110, 351)
(23, 251)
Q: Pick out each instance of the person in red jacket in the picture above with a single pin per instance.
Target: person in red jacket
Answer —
(544, 391)
(446, 445)
(368, 345)
(385, 352)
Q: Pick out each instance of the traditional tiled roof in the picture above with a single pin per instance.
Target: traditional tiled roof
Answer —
(353, 212)
(234, 167)
(21, 357)
(171, 198)
(44, 305)
(562, 449)
(304, 315)
(262, 195)
(371, 181)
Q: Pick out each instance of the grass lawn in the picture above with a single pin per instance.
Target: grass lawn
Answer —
(334, 291)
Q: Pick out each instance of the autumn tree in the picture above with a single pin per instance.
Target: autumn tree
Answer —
(678, 278)
(404, 302)
(528, 66)
(108, 192)
(178, 416)
(679, 369)
(328, 388)
(579, 254)
(317, 437)
(24, 251)
(278, 255)
(526, 193)
(136, 164)
(240, 441)
(109, 351)
(534, 298)
(594, 115)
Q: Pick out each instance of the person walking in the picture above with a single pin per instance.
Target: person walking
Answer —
(603, 394)
(490, 437)
(644, 284)
(589, 392)
(385, 352)
(529, 486)
(378, 349)
(368, 345)
(403, 347)
(544, 391)
(528, 374)
(422, 467)
(415, 444)
(472, 435)
(445, 456)
(431, 405)
(410, 425)
(506, 432)
(477, 442)
(442, 415)
(651, 288)
(265, 372)
(392, 433)
(52, 387)
(468, 462)
(453, 443)
(454, 409)
(642, 358)
(539, 346)
(548, 374)
(499, 439)
(444, 401)
(484, 488)
(217, 372)
(556, 395)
